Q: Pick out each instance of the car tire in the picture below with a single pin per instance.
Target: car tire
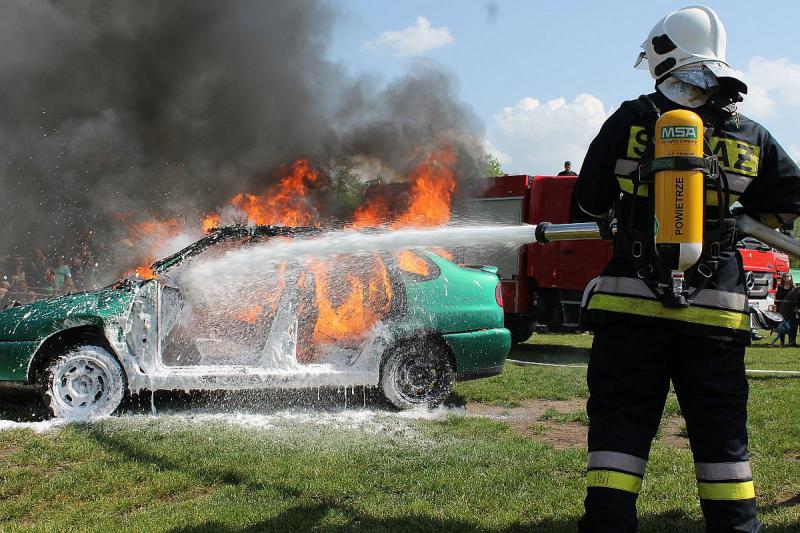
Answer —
(417, 374)
(84, 382)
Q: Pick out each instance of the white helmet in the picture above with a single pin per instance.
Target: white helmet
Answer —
(690, 35)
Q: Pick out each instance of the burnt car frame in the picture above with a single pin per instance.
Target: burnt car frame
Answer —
(87, 350)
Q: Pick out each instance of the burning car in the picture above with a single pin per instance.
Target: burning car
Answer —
(408, 322)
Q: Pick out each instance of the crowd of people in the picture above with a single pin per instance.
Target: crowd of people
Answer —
(25, 279)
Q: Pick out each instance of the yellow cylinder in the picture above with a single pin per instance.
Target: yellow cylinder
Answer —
(679, 194)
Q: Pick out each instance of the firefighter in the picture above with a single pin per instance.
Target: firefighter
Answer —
(646, 333)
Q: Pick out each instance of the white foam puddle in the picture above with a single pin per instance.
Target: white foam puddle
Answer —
(37, 427)
(370, 421)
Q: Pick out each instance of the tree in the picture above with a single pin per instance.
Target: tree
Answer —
(492, 166)
(347, 188)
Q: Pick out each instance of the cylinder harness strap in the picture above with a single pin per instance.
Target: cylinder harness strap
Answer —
(636, 238)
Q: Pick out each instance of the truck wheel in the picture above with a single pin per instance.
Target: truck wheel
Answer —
(521, 329)
(416, 374)
(84, 382)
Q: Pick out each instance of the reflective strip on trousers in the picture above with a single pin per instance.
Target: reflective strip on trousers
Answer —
(617, 461)
(730, 471)
(653, 308)
(736, 490)
(613, 480)
(727, 300)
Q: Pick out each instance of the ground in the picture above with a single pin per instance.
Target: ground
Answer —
(507, 455)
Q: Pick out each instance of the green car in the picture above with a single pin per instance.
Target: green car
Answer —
(438, 323)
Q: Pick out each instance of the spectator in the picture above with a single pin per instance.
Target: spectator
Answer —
(19, 289)
(63, 281)
(788, 310)
(37, 268)
(567, 170)
(786, 284)
(50, 281)
(19, 282)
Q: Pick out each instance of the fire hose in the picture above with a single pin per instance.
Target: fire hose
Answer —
(787, 373)
(747, 225)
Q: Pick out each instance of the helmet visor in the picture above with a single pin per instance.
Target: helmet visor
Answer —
(641, 59)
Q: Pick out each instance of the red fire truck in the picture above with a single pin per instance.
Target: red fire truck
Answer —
(544, 284)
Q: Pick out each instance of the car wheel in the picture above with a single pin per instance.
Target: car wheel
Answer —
(416, 374)
(521, 329)
(84, 382)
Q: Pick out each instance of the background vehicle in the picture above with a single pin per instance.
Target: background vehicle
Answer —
(85, 350)
(544, 284)
(763, 266)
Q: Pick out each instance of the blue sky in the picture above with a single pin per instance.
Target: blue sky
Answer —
(543, 75)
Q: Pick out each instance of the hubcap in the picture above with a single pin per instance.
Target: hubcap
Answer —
(417, 378)
(81, 384)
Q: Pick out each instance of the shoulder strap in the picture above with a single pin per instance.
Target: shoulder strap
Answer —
(645, 109)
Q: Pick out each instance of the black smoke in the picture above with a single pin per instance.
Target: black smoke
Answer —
(118, 107)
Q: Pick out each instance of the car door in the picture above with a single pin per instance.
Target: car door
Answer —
(142, 331)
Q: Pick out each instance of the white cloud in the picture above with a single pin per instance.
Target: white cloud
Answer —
(794, 152)
(774, 84)
(538, 137)
(504, 158)
(414, 40)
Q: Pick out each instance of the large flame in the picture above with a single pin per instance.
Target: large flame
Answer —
(432, 183)
(347, 311)
(284, 204)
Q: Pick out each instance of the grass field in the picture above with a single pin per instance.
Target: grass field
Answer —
(355, 469)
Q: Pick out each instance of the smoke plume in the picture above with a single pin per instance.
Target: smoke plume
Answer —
(118, 107)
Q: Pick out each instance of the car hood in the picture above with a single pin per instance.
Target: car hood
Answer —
(44, 317)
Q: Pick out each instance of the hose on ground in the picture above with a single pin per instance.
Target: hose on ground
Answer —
(787, 373)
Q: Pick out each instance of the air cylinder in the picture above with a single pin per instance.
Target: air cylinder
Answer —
(679, 194)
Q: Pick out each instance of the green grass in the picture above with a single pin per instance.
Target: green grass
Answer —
(552, 415)
(519, 383)
(456, 474)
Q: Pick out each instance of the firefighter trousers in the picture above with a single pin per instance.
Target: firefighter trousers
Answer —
(629, 375)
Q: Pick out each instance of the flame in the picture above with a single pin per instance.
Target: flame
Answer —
(284, 204)
(427, 202)
(249, 315)
(410, 262)
(442, 252)
(211, 221)
(432, 185)
(363, 301)
(371, 214)
(150, 236)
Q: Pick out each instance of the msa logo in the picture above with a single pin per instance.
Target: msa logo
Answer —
(678, 132)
